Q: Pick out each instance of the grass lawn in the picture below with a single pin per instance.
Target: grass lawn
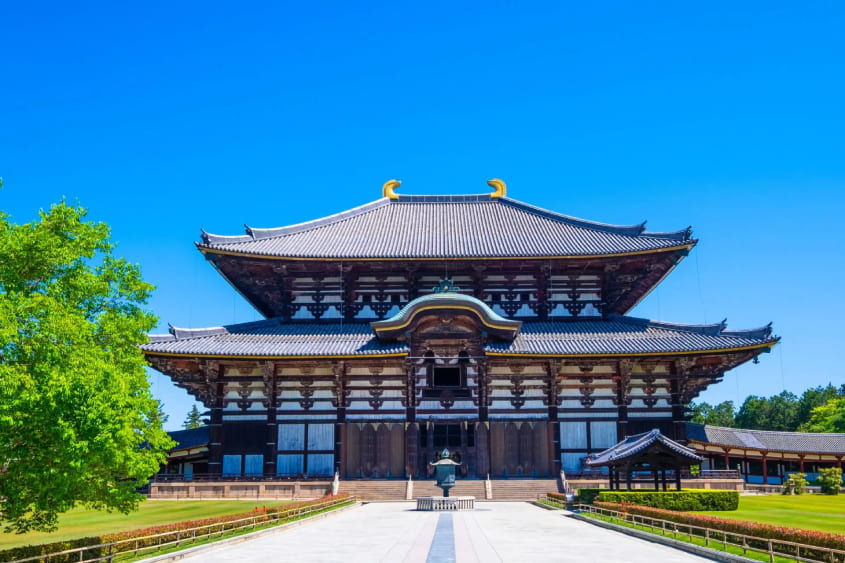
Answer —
(809, 512)
(81, 522)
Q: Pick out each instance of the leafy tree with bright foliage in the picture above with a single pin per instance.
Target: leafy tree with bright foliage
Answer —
(829, 417)
(78, 424)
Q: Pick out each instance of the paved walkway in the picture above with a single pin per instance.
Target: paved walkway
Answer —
(494, 531)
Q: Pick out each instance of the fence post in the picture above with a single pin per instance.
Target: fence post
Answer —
(771, 553)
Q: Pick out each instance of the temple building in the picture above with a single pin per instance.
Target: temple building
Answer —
(479, 323)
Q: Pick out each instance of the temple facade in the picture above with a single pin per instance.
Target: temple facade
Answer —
(479, 323)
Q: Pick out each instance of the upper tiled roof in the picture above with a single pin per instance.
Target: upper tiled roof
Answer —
(632, 446)
(797, 442)
(617, 335)
(445, 227)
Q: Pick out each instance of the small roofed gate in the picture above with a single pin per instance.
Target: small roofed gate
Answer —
(648, 452)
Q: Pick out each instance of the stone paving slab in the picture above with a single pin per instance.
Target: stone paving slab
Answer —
(494, 531)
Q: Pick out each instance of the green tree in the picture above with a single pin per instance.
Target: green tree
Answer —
(715, 415)
(830, 417)
(779, 412)
(78, 424)
(816, 397)
(194, 419)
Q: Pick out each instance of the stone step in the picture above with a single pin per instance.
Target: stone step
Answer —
(523, 489)
(502, 489)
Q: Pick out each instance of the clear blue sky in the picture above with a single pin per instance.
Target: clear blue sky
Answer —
(164, 118)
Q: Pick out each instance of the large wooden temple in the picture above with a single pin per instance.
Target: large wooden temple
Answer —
(473, 322)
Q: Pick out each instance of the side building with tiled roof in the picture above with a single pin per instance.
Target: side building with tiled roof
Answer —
(763, 456)
(479, 323)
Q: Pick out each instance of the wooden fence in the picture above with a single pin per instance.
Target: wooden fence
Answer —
(718, 538)
(135, 547)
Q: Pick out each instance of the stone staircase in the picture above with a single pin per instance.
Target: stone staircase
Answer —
(374, 490)
(502, 489)
(523, 489)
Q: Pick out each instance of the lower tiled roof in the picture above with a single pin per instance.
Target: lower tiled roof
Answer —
(273, 338)
(619, 334)
(767, 440)
(186, 439)
(615, 335)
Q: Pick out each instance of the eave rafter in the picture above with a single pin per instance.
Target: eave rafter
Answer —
(265, 282)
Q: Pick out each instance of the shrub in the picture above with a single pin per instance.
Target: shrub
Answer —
(143, 536)
(756, 529)
(587, 496)
(830, 480)
(686, 500)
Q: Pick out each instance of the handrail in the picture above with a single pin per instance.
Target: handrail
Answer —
(774, 547)
(648, 476)
(107, 551)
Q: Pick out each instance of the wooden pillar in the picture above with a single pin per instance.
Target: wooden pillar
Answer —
(339, 369)
(622, 381)
(765, 470)
(656, 480)
(801, 463)
(412, 434)
(676, 399)
(554, 431)
(215, 430)
(618, 478)
(727, 459)
(663, 478)
(628, 477)
(272, 433)
(678, 478)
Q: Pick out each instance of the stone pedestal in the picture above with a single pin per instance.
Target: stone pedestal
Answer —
(445, 503)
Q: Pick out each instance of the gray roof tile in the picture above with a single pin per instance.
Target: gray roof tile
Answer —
(766, 440)
(625, 335)
(443, 227)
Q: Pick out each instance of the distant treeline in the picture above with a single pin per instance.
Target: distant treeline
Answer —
(820, 409)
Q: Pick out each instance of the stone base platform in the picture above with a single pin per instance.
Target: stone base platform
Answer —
(445, 503)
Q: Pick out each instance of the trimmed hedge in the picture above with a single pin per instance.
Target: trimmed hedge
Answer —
(683, 501)
(756, 529)
(587, 496)
(273, 513)
(686, 500)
